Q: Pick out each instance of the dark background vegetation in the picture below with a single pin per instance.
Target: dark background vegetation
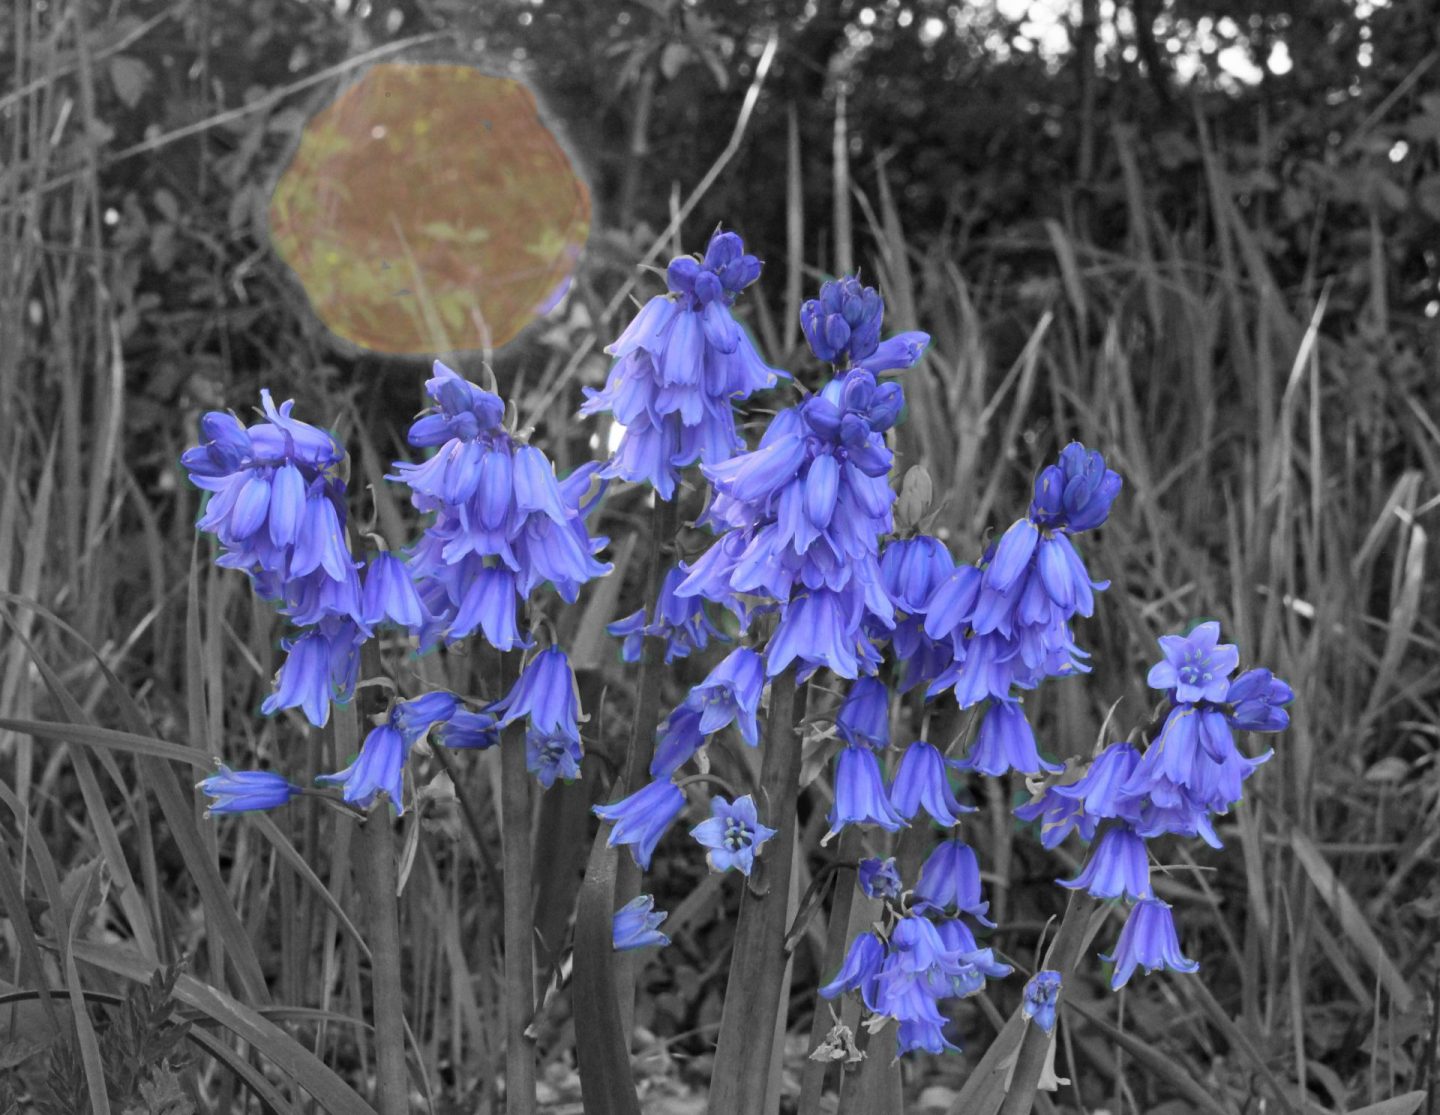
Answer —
(1201, 236)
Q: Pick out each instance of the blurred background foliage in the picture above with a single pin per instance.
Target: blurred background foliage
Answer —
(1200, 235)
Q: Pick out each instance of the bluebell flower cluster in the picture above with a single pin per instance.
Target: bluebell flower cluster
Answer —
(1008, 620)
(906, 972)
(679, 367)
(1191, 772)
(277, 507)
(380, 766)
(503, 523)
(547, 698)
(843, 329)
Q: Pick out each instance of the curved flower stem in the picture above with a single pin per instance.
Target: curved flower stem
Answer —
(747, 1025)
(1034, 1042)
(519, 928)
(375, 869)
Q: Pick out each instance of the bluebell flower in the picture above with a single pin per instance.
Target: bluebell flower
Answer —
(321, 665)
(843, 328)
(1100, 791)
(379, 768)
(879, 878)
(546, 693)
(1042, 993)
(1194, 758)
(414, 718)
(641, 819)
(390, 594)
(1118, 866)
(859, 970)
(1197, 667)
(1059, 816)
(915, 1033)
(1005, 742)
(636, 925)
(733, 833)
(950, 880)
(551, 755)
(864, 715)
(1148, 941)
(242, 791)
(680, 620)
(918, 971)
(678, 368)
(470, 730)
(677, 739)
(1076, 493)
(860, 792)
(503, 522)
(957, 937)
(1257, 699)
(921, 782)
(731, 692)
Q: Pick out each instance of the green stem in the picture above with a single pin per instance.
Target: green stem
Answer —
(376, 879)
(519, 928)
(757, 966)
(812, 1077)
(1034, 1042)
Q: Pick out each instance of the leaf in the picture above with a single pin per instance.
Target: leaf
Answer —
(1407, 1104)
(130, 77)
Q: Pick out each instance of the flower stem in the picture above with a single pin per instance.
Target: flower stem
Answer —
(1034, 1042)
(757, 966)
(375, 869)
(812, 1077)
(519, 929)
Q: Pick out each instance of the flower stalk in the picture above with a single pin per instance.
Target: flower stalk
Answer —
(757, 967)
(519, 928)
(376, 879)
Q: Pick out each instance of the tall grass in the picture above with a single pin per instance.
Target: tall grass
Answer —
(1271, 482)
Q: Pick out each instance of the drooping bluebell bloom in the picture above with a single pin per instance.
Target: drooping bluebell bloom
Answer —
(551, 755)
(414, 718)
(879, 878)
(913, 1034)
(1257, 700)
(677, 739)
(860, 796)
(1005, 742)
(1196, 667)
(733, 833)
(546, 692)
(950, 880)
(1100, 791)
(918, 971)
(243, 791)
(470, 730)
(322, 665)
(679, 366)
(843, 328)
(503, 523)
(379, 768)
(921, 782)
(641, 819)
(1148, 941)
(958, 938)
(636, 925)
(864, 714)
(1118, 866)
(1042, 993)
(731, 692)
(859, 970)
(911, 570)
(680, 620)
(389, 594)
(1058, 816)
(1194, 759)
